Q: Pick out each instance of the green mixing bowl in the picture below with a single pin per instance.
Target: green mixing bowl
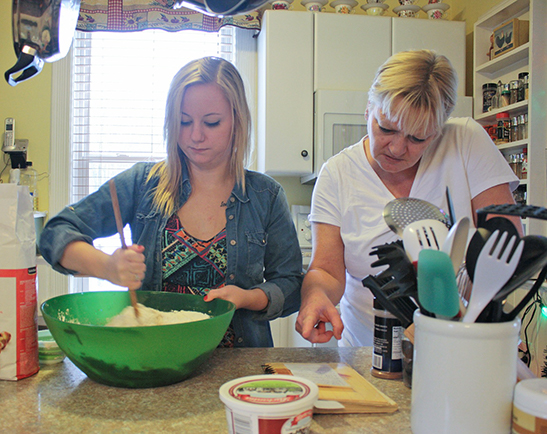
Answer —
(135, 357)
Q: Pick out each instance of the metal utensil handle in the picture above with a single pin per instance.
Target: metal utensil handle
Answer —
(522, 211)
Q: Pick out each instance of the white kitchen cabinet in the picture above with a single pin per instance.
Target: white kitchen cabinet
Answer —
(300, 53)
(348, 50)
(285, 93)
(444, 37)
(530, 58)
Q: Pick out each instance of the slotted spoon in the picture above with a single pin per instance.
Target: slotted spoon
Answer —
(492, 271)
(423, 234)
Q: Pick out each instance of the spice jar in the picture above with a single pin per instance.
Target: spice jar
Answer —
(522, 128)
(515, 164)
(505, 98)
(524, 164)
(504, 127)
(387, 356)
(489, 91)
(514, 95)
(523, 77)
(514, 129)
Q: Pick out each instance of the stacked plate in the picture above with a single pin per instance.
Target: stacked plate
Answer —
(49, 352)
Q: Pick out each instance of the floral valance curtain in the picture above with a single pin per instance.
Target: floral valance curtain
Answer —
(134, 15)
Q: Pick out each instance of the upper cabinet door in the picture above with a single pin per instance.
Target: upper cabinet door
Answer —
(349, 49)
(285, 93)
(444, 37)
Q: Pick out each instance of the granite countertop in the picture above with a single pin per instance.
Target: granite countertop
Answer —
(61, 399)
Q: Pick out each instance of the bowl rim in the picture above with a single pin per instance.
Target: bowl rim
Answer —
(231, 307)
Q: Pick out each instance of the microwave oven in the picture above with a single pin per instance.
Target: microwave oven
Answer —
(339, 122)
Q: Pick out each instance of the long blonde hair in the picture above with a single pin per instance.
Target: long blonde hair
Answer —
(201, 71)
(415, 89)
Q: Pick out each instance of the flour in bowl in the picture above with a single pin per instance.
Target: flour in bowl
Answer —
(152, 317)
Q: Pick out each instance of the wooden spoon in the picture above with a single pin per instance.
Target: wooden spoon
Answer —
(119, 225)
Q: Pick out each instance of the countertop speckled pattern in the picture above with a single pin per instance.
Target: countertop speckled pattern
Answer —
(61, 399)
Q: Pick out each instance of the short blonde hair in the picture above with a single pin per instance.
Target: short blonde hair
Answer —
(415, 89)
(201, 71)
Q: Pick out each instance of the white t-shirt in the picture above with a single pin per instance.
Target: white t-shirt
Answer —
(349, 194)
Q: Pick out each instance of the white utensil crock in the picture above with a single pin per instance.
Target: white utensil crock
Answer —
(463, 376)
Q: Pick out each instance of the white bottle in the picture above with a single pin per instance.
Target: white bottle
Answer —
(29, 177)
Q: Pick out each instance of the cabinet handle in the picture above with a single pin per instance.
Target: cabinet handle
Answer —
(304, 153)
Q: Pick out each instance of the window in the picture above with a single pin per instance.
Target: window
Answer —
(113, 88)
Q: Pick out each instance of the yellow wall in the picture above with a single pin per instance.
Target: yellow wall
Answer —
(29, 102)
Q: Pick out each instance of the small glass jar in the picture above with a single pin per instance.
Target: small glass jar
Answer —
(514, 88)
(522, 128)
(503, 127)
(523, 92)
(489, 91)
(505, 96)
(514, 129)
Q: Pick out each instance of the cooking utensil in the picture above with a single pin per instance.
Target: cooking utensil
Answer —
(455, 244)
(437, 289)
(402, 307)
(484, 230)
(512, 314)
(135, 357)
(42, 32)
(119, 226)
(399, 213)
(493, 270)
(423, 234)
(533, 259)
(400, 271)
(523, 211)
(451, 213)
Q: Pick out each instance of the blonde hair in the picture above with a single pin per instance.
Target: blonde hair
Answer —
(201, 71)
(416, 90)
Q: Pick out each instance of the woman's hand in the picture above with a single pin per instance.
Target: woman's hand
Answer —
(252, 299)
(315, 313)
(125, 267)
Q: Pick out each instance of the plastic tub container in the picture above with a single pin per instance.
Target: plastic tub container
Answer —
(269, 404)
(530, 406)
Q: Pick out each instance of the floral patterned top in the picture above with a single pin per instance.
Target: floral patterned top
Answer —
(193, 266)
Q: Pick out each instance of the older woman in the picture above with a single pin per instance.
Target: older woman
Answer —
(412, 149)
(200, 223)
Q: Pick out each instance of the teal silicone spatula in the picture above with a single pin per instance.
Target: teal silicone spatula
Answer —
(437, 288)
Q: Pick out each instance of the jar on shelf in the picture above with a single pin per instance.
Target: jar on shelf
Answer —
(514, 87)
(514, 129)
(524, 164)
(522, 128)
(503, 128)
(489, 91)
(515, 163)
(523, 77)
(505, 98)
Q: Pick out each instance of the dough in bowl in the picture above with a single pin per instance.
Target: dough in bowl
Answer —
(152, 317)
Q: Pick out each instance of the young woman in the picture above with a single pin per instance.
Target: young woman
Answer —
(200, 222)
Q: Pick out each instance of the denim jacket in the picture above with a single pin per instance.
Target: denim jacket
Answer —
(261, 240)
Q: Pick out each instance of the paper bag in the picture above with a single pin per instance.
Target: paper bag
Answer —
(18, 305)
